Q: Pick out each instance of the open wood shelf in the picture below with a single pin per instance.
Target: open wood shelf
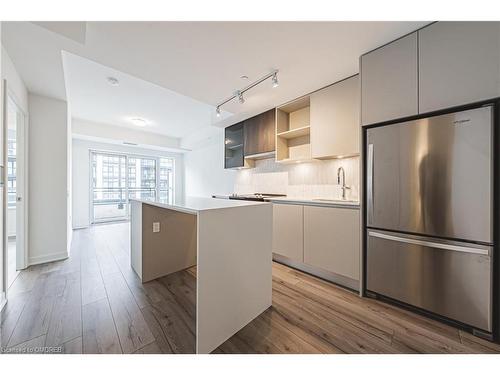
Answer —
(294, 133)
(293, 130)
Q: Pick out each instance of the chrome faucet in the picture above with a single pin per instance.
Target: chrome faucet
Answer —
(344, 186)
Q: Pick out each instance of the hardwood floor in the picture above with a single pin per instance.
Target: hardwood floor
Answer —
(94, 303)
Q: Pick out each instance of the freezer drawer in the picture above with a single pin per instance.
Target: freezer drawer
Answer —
(452, 279)
(433, 176)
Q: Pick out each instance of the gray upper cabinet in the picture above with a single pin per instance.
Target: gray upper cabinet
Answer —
(389, 81)
(459, 63)
(335, 120)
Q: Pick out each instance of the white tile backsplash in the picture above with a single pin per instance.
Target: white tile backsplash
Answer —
(315, 179)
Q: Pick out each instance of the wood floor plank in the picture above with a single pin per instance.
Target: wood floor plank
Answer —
(33, 346)
(285, 341)
(25, 281)
(317, 342)
(176, 328)
(144, 294)
(74, 346)
(92, 288)
(35, 317)
(257, 341)
(157, 330)
(182, 285)
(10, 315)
(344, 312)
(378, 313)
(316, 320)
(478, 344)
(66, 318)
(152, 348)
(99, 332)
(132, 329)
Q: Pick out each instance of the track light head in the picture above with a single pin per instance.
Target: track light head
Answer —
(275, 80)
(217, 111)
(240, 97)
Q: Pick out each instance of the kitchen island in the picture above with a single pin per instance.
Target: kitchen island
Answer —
(229, 241)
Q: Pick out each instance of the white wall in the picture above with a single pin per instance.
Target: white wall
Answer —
(81, 177)
(48, 183)
(2, 297)
(205, 173)
(15, 85)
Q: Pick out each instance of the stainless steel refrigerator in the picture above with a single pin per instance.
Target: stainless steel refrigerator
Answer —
(429, 199)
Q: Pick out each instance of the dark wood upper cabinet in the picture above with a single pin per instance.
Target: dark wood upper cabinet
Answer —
(233, 146)
(260, 133)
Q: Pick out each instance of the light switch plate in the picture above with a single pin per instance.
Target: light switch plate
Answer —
(156, 227)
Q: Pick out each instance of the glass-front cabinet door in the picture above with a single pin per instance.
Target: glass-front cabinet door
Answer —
(233, 146)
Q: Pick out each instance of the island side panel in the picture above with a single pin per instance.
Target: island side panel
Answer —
(136, 237)
(171, 249)
(234, 279)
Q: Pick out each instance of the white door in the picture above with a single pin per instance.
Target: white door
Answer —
(15, 185)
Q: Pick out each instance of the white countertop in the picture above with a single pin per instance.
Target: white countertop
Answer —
(315, 202)
(193, 205)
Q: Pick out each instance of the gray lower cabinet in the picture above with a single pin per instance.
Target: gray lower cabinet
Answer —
(331, 240)
(288, 231)
(389, 81)
(459, 63)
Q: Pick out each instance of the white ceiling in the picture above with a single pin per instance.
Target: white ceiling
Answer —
(201, 60)
(93, 98)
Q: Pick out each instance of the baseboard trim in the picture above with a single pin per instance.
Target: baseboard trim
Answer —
(48, 258)
(323, 274)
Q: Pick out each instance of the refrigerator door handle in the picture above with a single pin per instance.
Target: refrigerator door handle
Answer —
(436, 245)
(369, 183)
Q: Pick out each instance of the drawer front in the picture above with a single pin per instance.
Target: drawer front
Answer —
(454, 282)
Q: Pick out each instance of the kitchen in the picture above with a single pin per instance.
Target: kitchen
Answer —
(358, 215)
(402, 235)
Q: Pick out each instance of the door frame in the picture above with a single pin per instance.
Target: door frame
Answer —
(21, 170)
(22, 132)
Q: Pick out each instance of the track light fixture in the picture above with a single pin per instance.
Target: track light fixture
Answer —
(275, 80)
(240, 97)
(239, 94)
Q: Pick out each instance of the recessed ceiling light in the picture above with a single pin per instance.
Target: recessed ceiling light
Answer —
(244, 77)
(113, 81)
(138, 121)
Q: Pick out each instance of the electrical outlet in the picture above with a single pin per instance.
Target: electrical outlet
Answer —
(156, 227)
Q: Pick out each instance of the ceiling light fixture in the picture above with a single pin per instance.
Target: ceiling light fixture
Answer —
(138, 121)
(239, 94)
(113, 81)
(241, 99)
(275, 80)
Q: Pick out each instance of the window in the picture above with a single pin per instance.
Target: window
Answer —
(117, 178)
(166, 177)
(11, 171)
(141, 178)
